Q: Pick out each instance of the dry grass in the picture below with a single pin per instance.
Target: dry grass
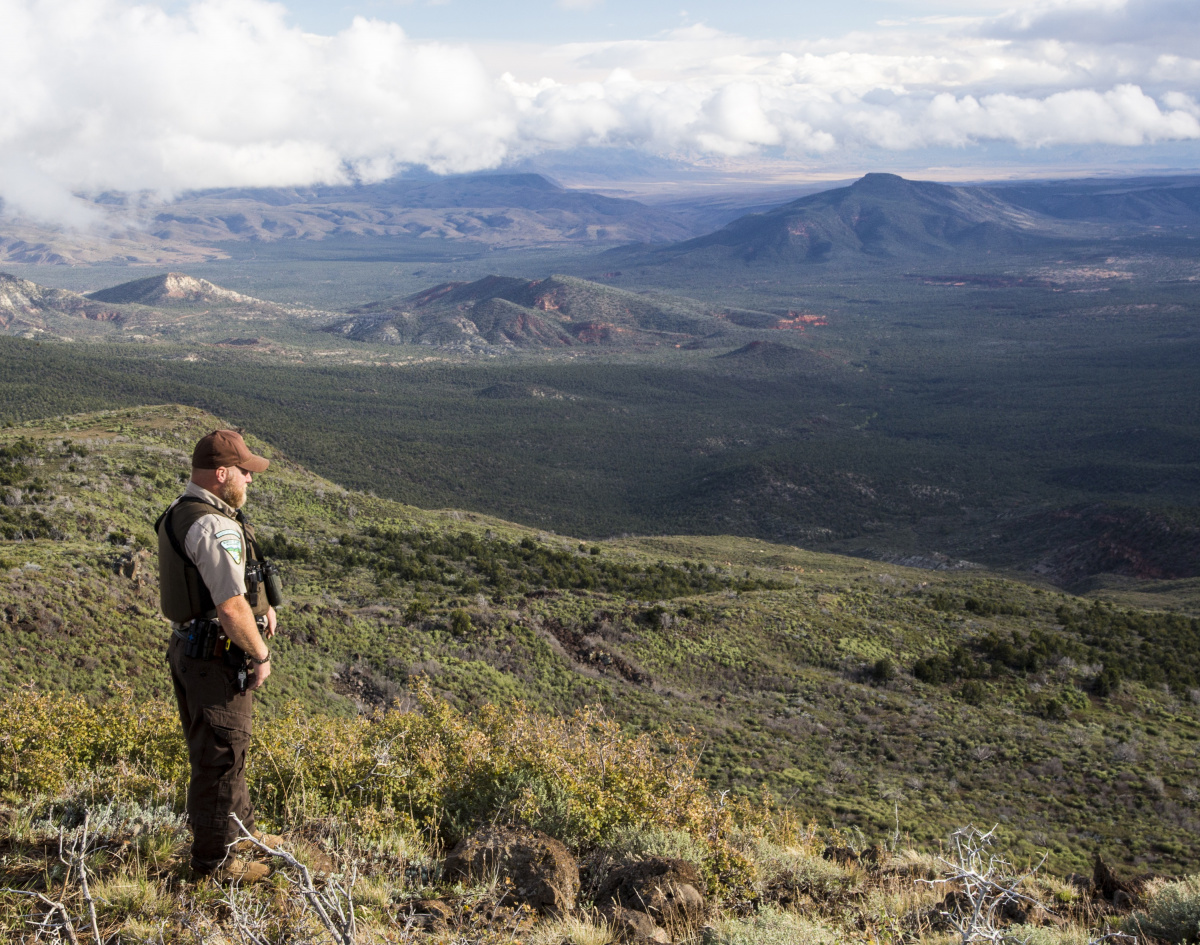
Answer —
(772, 927)
(577, 930)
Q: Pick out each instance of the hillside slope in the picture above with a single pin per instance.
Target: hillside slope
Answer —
(1149, 201)
(864, 693)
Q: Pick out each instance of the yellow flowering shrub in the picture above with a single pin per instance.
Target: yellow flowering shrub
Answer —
(578, 777)
(50, 741)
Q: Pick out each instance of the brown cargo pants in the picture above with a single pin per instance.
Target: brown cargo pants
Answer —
(216, 725)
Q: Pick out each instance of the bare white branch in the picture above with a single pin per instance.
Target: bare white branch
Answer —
(81, 868)
(988, 883)
(325, 904)
(54, 907)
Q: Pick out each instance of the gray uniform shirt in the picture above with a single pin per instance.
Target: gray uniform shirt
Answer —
(217, 547)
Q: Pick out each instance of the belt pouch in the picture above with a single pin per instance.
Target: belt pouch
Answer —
(196, 634)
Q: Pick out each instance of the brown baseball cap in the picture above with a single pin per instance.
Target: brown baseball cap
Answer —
(226, 448)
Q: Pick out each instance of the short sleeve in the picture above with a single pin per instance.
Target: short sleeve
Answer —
(218, 548)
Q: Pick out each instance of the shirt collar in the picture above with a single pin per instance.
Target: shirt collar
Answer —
(199, 492)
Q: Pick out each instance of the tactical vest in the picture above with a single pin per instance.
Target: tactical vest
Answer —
(182, 592)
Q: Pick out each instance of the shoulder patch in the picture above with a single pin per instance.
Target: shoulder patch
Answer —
(231, 540)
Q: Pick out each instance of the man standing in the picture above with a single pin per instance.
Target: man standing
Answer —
(212, 591)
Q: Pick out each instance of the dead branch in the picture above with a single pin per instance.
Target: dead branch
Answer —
(76, 861)
(324, 904)
(67, 927)
(987, 882)
(242, 921)
(81, 866)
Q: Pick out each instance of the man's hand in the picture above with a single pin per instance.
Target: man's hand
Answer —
(259, 676)
(237, 620)
(262, 672)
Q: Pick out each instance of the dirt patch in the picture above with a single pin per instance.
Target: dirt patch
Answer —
(586, 650)
(361, 684)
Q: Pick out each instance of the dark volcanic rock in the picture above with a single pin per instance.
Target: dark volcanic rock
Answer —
(1123, 893)
(631, 927)
(666, 889)
(432, 915)
(542, 871)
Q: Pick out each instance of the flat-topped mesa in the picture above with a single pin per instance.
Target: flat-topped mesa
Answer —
(171, 287)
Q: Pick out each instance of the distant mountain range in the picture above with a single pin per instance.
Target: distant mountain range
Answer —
(1146, 201)
(879, 216)
(500, 210)
(560, 311)
(479, 210)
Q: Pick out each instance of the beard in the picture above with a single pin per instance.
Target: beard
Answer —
(234, 493)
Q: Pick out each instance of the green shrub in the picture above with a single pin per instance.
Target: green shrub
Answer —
(973, 692)
(630, 842)
(460, 622)
(1171, 913)
(799, 867)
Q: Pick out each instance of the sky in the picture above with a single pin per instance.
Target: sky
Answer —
(162, 97)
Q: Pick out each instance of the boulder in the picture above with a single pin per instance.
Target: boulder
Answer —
(630, 927)
(134, 565)
(666, 889)
(539, 870)
(842, 856)
(1124, 893)
(431, 915)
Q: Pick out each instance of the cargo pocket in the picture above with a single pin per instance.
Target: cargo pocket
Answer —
(226, 748)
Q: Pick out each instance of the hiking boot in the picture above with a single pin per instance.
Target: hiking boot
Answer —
(240, 872)
(270, 839)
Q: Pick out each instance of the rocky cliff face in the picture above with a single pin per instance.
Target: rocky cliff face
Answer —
(20, 296)
(27, 305)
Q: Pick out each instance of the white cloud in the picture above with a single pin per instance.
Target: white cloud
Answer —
(103, 94)
(1169, 25)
